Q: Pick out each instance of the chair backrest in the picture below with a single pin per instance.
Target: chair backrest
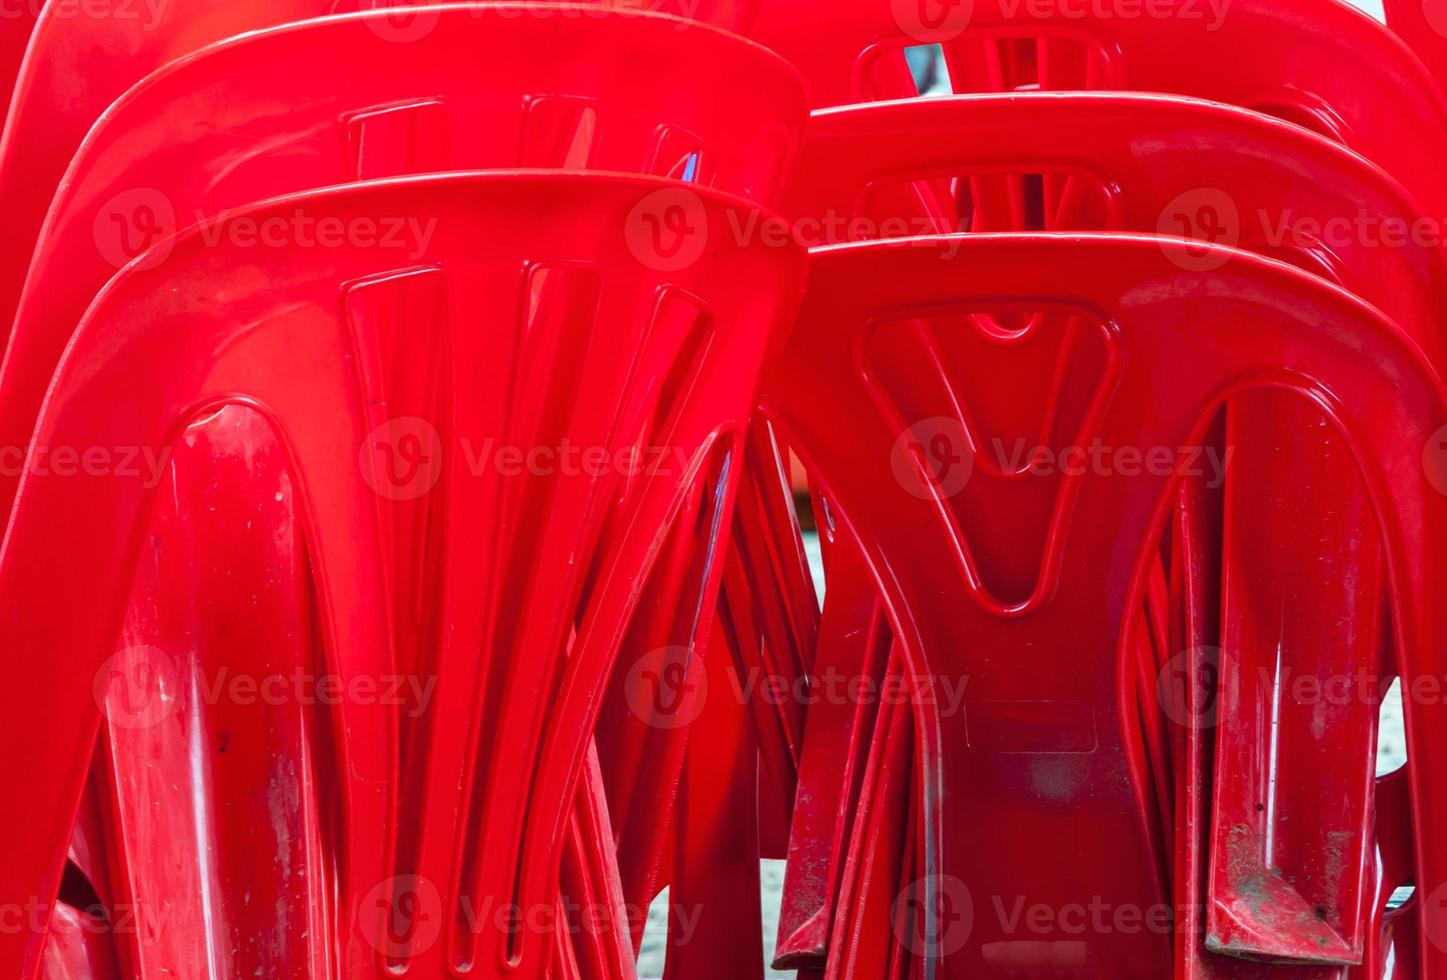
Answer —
(1345, 76)
(500, 270)
(1134, 164)
(1032, 780)
(76, 66)
(872, 170)
(486, 87)
(492, 87)
(1128, 163)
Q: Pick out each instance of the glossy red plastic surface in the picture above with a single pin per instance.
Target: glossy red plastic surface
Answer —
(865, 169)
(19, 22)
(221, 129)
(214, 322)
(1423, 26)
(1320, 63)
(472, 93)
(78, 63)
(557, 635)
(1032, 790)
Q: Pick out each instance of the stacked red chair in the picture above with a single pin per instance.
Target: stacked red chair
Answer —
(1010, 48)
(416, 423)
(203, 135)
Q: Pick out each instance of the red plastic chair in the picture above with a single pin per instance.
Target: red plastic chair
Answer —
(716, 858)
(1130, 162)
(1325, 65)
(440, 102)
(1345, 77)
(864, 170)
(76, 66)
(217, 322)
(652, 727)
(1033, 789)
(490, 87)
(770, 614)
